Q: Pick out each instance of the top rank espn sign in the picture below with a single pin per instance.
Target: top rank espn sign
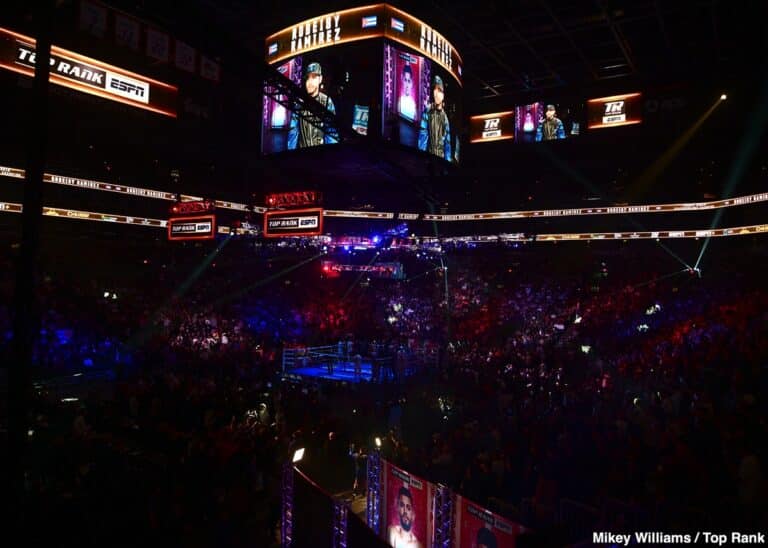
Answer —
(491, 127)
(298, 222)
(192, 228)
(616, 110)
(75, 71)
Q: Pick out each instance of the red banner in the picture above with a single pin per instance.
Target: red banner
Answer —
(406, 517)
(477, 527)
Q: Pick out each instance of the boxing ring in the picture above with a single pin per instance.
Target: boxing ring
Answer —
(334, 363)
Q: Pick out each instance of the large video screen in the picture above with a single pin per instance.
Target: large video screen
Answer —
(337, 59)
(342, 79)
(548, 121)
(421, 104)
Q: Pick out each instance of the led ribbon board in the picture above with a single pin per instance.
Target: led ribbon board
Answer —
(11, 207)
(75, 71)
(299, 222)
(375, 21)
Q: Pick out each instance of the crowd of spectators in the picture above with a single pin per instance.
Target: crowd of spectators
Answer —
(610, 379)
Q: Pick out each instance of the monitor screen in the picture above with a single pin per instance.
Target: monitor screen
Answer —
(421, 103)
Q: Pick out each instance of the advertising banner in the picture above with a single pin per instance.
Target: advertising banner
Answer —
(617, 110)
(192, 228)
(406, 515)
(75, 71)
(477, 527)
(492, 127)
(299, 222)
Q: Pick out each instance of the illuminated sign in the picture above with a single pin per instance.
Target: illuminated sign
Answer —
(360, 120)
(192, 228)
(492, 127)
(390, 271)
(193, 208)
(376, 21)
(300, 222)
(75, 71)
(293, 199)
(616, 110)
(10, 207)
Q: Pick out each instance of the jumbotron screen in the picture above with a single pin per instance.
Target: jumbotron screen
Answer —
(421, 103)
(379, 70)
(548, 121)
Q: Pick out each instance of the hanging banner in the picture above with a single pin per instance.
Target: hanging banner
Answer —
(406, 516)
(81, 73)
(186, 57)
(209, 68)
(93, 18)
(158, 45)
(127, 31)
(476, 526)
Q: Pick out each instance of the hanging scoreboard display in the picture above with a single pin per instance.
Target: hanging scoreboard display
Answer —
(354, 60)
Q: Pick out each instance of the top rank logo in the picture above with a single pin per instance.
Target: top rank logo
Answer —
(25, 55)
(492, 128)
(113, 82)
(322, 31)
(614, 107)
(614, 112)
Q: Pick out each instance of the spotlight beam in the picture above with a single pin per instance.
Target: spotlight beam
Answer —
(650, 175)
(750, 140)
(359, 277)
(199, 269)
(266, 280)
(586, 183)
(141, 337)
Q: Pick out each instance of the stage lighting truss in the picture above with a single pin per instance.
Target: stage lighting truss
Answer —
(373, 492)
(442, 508)
(286, 522)
(340, 510)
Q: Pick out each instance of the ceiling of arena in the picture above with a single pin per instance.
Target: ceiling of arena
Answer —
(514, 48)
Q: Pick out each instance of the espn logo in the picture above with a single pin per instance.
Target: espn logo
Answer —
(614, 112)
(117, 84)
(492, 128)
